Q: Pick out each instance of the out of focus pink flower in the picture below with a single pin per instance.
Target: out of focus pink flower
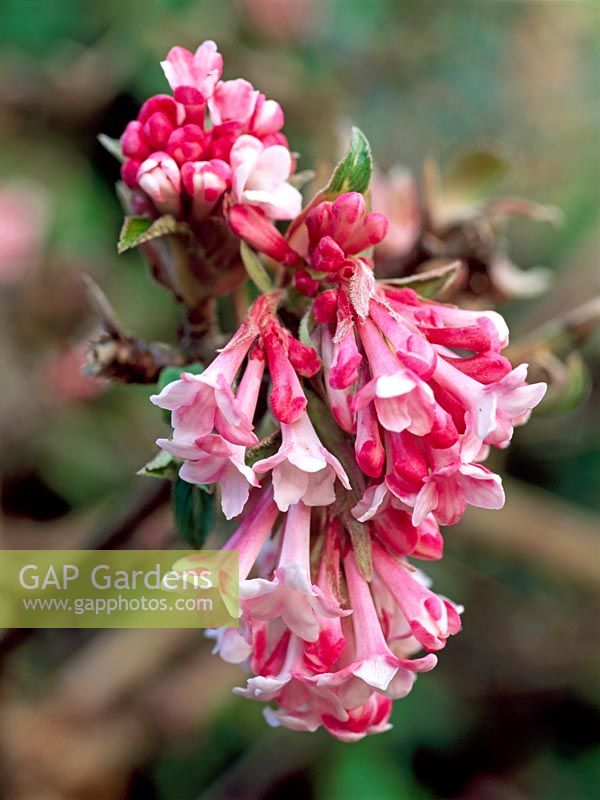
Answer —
(64, 378)
(284, 20)
(23, 225)
(395, 195)
(160, 178)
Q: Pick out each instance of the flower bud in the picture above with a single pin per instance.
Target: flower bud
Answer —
(159, 177)
(187, 144)
(205, 182)
(133, 142)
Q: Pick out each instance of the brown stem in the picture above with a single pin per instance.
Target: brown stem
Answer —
(129, 360)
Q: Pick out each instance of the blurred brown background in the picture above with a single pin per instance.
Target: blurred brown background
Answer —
(511, 712)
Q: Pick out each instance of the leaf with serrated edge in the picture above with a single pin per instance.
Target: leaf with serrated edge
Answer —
(433, 283)
(138, 230)
(255, 269)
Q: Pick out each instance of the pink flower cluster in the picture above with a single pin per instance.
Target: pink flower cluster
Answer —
(421, 392)
(379, 409)
(210, 146)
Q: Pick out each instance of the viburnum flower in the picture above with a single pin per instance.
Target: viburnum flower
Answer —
(377, 407)
(213, 144)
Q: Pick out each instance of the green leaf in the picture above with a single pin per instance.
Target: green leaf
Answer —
(304, 328)
(112, 145)
(194, 511)
(433, 283)
(138, 230)
(255, 269)
(163, 465)
(353, 173)
(170, 374)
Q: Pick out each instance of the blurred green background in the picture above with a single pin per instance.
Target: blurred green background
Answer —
(511, 712)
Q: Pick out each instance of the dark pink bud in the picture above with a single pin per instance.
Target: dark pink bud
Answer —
(306, 284)
(157, 129)
(451, 404)
(304, 359)
(443, 434)
(369, 449)
(129, 171)
(470, 337)
(409, 462)
(346, 211)
(193, 103)
(325, 307)
(485, 367)
(222, 140)
(187, 144)
(407, 297)
(370, 232)
(287, 398)
(133, 142)
(327, 256)
(160, 104)
(317, 222)
(395, 530)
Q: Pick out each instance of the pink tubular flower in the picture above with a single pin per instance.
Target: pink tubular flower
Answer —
(200, 70)
(251, 224)
(200, 403)
(260, 178)
(395, 195)
(431, 618)
(370, 718)
(373, 666)
(452, 485)
(402, 400)
(303, 470)
(290, 594)
(160, 178)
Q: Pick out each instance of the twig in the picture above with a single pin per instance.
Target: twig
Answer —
(118, 356)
